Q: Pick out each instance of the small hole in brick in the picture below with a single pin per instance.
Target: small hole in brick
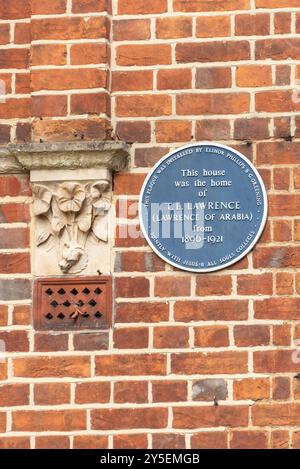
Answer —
(49, 291)
(92, 303)
(61, 316)
(86, 315)
(86, 291)
(74, 292)
(80, 303)
(98, 314)
(54, 303)
(98, 291)
(49, 316)
(67, 304)
(61, 291)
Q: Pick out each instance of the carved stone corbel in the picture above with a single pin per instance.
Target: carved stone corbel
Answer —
(71, 209)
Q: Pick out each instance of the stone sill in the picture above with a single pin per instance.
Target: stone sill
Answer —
(21, 158)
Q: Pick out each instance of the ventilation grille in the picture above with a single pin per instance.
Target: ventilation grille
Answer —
(72, 303)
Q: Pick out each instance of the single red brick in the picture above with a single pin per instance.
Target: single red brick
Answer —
(88, 393)
(48, 54)
(171, 337)
(132, 80)
(251, 335)
(210, 416)
(134, 131)
(14, 394)
(15, 340)
(143, 105)
(131, 391)
(131, 30)
(213, 129)
(51, 393)
(51, 420)
(213, 26)
(225, 51)
(209, 363)
(275, 414)
(90, 442)
(68, 28)
(174, 79)
(139, 7)
(131, 441)
(142, 312)
(175, 27)
(43, 7)
(146, 54)
(168, 441)
(169, 391)
(225, 310)
(127, 338)
(211, 336)
(213, 285)
(255, 284)
(251, 388)
(173, 131)
(209, 440)
(211, 103)
(86, 53)
(208, 5)
(281, 388)
(55, 366)
(248, 440)
(52, 442)
(118, 419)
(135, 365)
(91, 341)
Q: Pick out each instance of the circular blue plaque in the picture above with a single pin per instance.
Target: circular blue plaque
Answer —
(203, 207)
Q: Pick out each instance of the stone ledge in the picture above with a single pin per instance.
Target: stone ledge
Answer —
(64, 155)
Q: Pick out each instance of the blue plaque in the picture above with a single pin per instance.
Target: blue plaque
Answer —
(203, 207)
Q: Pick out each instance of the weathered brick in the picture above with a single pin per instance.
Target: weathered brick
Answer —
(90, 442)
(214, 77)
(44, 7)
(48, 54)
(252, 25)
(19, 9)
(134, 131)
(251, 388)
(139, 7)
(131, 30)
(51, 420)
(90, 103)
(51, 393)
(248, 440)
(251, 129)
(60, 79)
(172, 286)
(12, 238)
(16, 289)
(211, 103)
(281, 388)
(114, 419)
(225, 310)
(169, 391)
(173, 131)
(131, 441)
(208, 5)
(15, 442)
(14, 394)
(131, 391)
(211, 336)
(15, 341)
(251, 335)
(132, 80)
(212, 51)
(91, 341)
(173, 27)
(168, 441)
(275, 361)
(213, 26)
(142, 312)
(52, 442)
(210, 416)
(277, 49)
(213, 129)
(209, 440)
(135, 365)
(37, 367)
(255, 284)
(87, 6)
(253, 75)
(146, 54)
(277, 308)
(143, 106)
(171, 337)
(209, 363)
(48, 342)
(174, 79)
(275, 414)
(213, 285)
(88, 393)
(86, 53)
(209, 390)
(69, 28)
(127, 338)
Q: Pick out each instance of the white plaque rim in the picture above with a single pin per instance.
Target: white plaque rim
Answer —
(255, 239)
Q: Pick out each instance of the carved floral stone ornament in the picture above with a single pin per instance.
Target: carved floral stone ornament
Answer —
(71, 210)
(67, 216)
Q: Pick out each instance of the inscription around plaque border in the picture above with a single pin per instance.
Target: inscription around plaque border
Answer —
(203, 207)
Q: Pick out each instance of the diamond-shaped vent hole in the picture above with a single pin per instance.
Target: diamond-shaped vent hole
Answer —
(61, 316)
(49, 316)
(98, 291)
(61, 291)
(86, 315)
(74, 292)
(80, 303)
(98, 314)
(86, 291)
(54, 303)
(92, 303)
(49, 291)
(67, 304)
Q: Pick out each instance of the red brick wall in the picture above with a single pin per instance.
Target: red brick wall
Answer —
(160, 74)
